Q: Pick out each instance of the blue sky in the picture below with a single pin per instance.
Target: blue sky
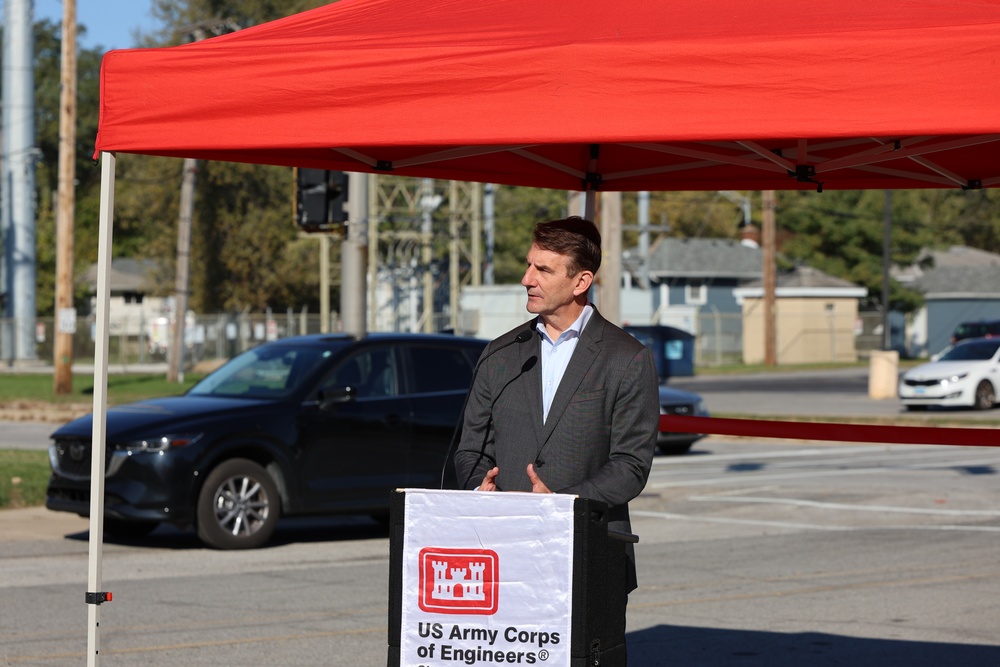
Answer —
(110, 23)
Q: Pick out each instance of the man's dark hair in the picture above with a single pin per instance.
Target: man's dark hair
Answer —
(575, 237)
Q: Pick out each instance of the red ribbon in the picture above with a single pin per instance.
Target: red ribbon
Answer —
(760, 428)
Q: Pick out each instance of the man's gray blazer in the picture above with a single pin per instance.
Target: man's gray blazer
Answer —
(600, 436)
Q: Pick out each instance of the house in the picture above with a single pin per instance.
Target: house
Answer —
(692, 283)
(815, 316)
(960, 286)
(131, 310)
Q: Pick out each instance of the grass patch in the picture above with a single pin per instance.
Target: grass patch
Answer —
(121, 388)
(24, 475)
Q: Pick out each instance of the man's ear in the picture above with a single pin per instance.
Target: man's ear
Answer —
(583, 282)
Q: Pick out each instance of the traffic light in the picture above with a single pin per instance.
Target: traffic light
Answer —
(320, 197)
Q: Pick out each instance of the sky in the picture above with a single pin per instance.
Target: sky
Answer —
(110, 23)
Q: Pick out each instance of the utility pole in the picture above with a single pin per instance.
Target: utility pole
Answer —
(324, 282)
(489, 193)
(175, 368)
(175, 371)
(642, 212)
(886, 260)
(353, 257)
(428, 203)
(769, 244)
(609, 289)
(17, 210)
(62, 355)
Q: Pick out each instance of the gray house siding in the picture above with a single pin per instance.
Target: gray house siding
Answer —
(718, 294)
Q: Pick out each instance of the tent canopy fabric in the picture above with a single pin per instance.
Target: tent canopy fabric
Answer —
(585, 94)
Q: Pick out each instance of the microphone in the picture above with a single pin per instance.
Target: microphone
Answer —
(522, 337)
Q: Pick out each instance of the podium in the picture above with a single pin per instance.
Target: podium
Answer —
(504, 578)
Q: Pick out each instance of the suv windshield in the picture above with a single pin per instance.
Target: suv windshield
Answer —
(264, 372)
(978, 351)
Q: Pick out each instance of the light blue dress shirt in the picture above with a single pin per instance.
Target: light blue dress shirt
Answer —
(556, 355)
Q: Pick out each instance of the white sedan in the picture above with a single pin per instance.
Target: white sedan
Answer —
(965, 374)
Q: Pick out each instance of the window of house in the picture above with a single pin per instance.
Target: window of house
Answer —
(696, 294)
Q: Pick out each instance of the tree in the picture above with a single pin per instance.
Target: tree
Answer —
(841, 233)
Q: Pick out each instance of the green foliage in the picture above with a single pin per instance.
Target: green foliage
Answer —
(24, 475)
(841, 233)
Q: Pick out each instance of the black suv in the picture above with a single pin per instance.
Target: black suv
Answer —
(308, 425)
(981, 329)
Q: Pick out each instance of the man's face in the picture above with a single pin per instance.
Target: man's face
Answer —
(551, 290)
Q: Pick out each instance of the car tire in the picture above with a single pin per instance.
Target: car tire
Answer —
(984, 396)
(917, 408)
(129, 529)
(238, 507)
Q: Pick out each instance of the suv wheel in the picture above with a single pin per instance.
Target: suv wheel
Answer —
(238, 507)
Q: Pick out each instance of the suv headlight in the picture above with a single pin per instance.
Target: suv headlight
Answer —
(159, 444)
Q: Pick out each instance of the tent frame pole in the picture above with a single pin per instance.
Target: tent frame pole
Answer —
(95, 597)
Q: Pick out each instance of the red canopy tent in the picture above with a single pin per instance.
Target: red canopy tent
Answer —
(585, 94)
(569, 94)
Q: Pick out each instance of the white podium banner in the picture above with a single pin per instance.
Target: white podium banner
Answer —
(487, 579)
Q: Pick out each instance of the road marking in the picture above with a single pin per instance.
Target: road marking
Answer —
(843, 506)
(166, 648)
(811, 590)
(709, 458)
(742, 477)
(742, 522)
(808, 526)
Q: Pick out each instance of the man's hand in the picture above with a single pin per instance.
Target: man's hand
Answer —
(489, 481)
(537, 485)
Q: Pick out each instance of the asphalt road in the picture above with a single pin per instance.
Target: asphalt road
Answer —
(751, 553)
(25, 435)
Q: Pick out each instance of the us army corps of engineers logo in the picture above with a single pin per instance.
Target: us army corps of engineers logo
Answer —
(459, 581)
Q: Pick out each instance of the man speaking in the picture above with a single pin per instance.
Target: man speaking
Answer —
(567, 403)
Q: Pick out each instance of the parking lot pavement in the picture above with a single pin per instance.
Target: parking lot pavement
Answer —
(37, 523)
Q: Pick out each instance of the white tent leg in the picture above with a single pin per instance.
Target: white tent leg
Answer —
(98, 447)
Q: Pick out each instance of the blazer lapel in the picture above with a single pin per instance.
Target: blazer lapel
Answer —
(531, 359)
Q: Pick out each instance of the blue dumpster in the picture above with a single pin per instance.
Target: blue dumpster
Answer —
(672, 348)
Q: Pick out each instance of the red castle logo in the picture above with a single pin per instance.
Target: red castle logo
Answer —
(459, 581)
